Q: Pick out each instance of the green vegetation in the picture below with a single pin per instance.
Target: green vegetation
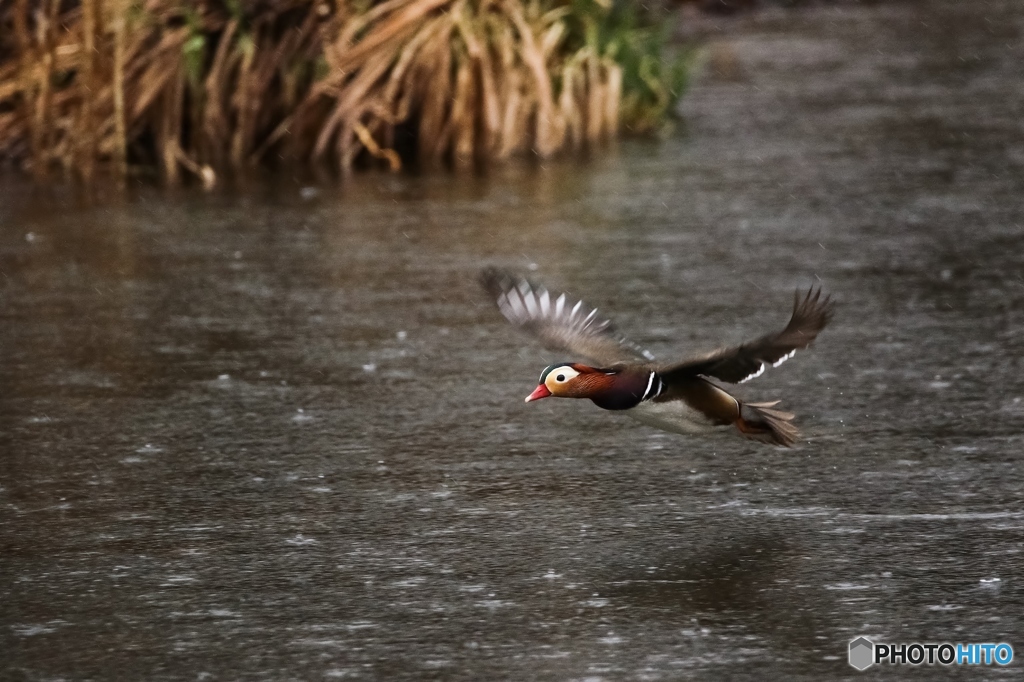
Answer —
(204, 88)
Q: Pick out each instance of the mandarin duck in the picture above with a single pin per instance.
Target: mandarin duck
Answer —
(679, 397)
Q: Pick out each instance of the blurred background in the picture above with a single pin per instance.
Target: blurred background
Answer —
(257, 419)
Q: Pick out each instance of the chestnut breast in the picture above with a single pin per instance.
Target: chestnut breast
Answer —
(622, 390)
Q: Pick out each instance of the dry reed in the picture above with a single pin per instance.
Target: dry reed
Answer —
(204, 88)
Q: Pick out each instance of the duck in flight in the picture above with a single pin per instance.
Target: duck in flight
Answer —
(680, 397)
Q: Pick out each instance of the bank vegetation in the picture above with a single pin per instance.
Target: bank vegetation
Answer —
(204, 89)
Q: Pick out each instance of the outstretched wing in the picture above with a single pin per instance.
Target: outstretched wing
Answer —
(741, 363)
(559, 323)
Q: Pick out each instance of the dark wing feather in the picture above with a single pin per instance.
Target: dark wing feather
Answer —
(741, 363)
(560, 323)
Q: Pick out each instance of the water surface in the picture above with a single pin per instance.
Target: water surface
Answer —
(272, 435)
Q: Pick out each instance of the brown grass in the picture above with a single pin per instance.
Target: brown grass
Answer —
(206, 88)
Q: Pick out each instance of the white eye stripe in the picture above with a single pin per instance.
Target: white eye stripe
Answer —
(565, 372)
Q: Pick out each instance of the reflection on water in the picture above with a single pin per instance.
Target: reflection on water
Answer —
(281, 433)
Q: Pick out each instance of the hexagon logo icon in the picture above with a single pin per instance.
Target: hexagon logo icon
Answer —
(862, 653)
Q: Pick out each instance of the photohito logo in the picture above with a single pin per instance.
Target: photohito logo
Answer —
(864, 653)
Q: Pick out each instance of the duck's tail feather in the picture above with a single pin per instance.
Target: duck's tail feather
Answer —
(760, 422)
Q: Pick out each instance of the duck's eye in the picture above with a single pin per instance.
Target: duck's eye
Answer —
(558, 375)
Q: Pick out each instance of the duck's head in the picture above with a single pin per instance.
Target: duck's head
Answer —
(566, 380)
